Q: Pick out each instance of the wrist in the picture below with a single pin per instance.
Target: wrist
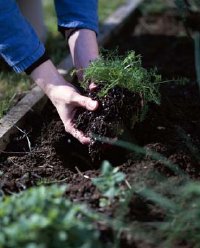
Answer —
(47, 77)
(37, 63)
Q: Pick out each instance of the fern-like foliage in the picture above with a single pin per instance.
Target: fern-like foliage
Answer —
(126, 72)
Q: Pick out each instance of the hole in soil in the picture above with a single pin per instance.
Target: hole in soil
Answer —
(115, 155)
(73, 154)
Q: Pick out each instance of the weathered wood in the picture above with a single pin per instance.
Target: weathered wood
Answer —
(33, 101)
(117, 20)
(35, 98)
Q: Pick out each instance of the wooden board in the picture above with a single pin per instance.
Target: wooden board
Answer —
(35, 99)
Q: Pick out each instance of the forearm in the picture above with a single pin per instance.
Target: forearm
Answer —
(84, 48)
(64, 97)
(48, 79)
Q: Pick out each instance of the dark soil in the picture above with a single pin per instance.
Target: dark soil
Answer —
(118, 110)
(172, 129)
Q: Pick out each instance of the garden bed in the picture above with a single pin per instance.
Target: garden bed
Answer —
(46, 154)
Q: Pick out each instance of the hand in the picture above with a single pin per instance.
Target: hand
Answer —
(64, 96)
(66, 99)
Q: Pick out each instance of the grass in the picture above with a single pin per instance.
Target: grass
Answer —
(11, 86)
(106, 8)
(11, 83)
(154, 6)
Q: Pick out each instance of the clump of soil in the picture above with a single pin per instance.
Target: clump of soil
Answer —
(118, 110)
(124, 88)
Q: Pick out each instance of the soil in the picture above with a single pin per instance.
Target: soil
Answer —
(118, 110)
(172, 129)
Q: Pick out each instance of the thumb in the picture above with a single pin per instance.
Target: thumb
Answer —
(85, 102)
(92, 87)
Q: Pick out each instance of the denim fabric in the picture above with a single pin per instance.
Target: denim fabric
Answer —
(19, 44)
(77, 14)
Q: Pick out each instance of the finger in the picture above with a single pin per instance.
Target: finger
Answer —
(92, 87)
(77, 134)
(85, 102)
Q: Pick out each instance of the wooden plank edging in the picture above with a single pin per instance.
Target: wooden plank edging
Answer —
(16, 115)
(34, 99)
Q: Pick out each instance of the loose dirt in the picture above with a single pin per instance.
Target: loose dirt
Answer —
(118, 110)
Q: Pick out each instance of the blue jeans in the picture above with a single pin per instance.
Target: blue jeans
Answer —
(19, 44)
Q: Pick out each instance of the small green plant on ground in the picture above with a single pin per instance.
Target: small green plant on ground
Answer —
(108, 183)
(42, 217)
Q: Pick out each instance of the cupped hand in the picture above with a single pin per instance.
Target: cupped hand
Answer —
(64, 96)
(66, 99)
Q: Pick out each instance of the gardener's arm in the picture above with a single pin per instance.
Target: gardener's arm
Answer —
(63, 95)
(83, 47)
(78, 21)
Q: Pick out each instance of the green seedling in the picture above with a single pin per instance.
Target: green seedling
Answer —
(108, 183)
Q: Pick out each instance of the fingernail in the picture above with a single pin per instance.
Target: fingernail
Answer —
(92, 104)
